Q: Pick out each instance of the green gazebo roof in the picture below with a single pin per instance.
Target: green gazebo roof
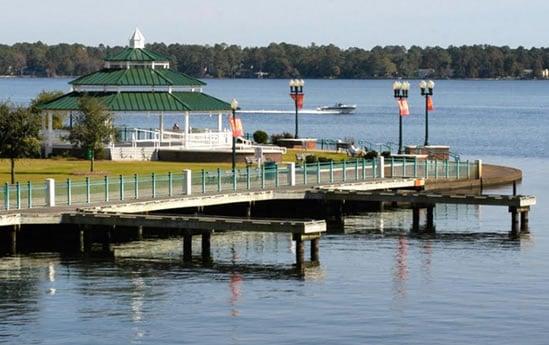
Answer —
(142, 102)
(137, 76)
(137, 54)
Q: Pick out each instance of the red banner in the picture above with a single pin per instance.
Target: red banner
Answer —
(300, 97)
(430, 103)
(236, 126)
(403, 107)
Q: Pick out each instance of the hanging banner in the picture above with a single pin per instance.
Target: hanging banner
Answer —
(430, 103)
(300, 97)
(236, 126)
(403, 107)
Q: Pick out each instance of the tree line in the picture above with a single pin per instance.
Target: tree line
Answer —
(282, 60)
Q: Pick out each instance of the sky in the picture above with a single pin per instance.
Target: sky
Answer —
(345, 23)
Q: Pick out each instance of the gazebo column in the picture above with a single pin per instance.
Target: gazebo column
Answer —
(186, 129)
(219, 122)
(161, 126)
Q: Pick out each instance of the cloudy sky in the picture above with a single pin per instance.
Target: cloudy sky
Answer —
(359, 23)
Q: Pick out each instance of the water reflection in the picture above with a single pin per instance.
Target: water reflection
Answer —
(401, 266)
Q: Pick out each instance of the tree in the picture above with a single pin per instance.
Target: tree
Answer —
(92, 128)
(44, 97)
(19, 134)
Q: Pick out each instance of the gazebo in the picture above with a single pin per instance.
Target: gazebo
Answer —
(139, 81)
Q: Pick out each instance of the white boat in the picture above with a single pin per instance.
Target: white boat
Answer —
(338, 108)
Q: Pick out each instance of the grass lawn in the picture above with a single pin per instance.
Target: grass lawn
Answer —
(63, 168)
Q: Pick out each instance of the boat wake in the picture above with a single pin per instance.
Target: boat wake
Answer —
(282, 112)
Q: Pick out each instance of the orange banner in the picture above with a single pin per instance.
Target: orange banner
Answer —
(430, 103)
(236, 126)
(300, 97)
(403, 107)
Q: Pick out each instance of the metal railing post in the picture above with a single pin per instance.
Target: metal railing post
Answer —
(374, 172)
(457, 170)
(106, 188)
(304, 173)
(203, 180)
(277, 181)
(436, 169)
(121, 187)
(88, 191)
(415, 167)
(170, 183)
(447, 169)
(318, 172)
(153, 185)
(331, 171)
(363, 169)
(17, 195)
(426, 168)
(234, 179)
(29, 194)
(6, 196)
(218, 179)
(403, 166)
(248, 182)
(344, 170)
(69, 192)
(468, 169)
(262, 176)
(392, 167)
(136, 186)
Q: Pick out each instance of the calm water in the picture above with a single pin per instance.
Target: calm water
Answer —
(377, 284)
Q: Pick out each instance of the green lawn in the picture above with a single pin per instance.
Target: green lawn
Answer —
(63, 168)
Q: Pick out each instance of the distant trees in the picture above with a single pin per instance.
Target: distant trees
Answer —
(283, 60)
(19, 134)
(92, 128)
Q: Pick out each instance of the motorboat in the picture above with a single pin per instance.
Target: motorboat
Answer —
(338, 108)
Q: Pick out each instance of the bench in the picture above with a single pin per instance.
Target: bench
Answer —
(250, 160)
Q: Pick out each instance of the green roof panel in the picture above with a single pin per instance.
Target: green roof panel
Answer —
(137, 77)
(142, 102)
(137, 54)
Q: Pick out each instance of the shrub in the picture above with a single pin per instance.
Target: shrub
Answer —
(261, 137)
(285, 135)
(322, 159)
(310, 159)
(386, 154)
(370, 155)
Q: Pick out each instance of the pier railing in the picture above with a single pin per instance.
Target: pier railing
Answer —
(97, 190)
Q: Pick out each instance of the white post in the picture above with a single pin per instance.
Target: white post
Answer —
(219, 122)
(186, 129)
(291, 174)
(479, 168)
(381, 163)
(161, 126)
(50, 192)
(188, 182)
(49, 136)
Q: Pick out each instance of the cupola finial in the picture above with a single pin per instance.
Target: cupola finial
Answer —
(137, 40)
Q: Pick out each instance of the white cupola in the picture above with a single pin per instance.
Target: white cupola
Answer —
(137, 40)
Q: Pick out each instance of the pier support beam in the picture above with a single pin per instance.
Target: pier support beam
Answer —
(107, 237)
(187, 246)
(13, 239)
(524, 222)
(514, 220)
(415, 218)
(206, 246)
(299, 251)
(315, 245)
(139, 233)
(430, 218)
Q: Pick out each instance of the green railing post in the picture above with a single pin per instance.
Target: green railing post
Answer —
(203, 180)
(153, 185)
(136, 186)
(331, 171)
(6, 196)
(363, 169)
(17, 195)
(436, 169)
(318, 172)
(392, 166)
(468, 169)
(374, 173)
(170, 183)
(457, 170)
(344, 170)
(69, 192)
(415, 167)
(262, 176)
(29, 194)
(356, 169)
(403, 166)
(304, 173)
(121, 187)
(248, 179)
(426, 168)
(277, 181)
(218, 180)
(234, 179)
(88, 190)
(447, 169)
(106, 188)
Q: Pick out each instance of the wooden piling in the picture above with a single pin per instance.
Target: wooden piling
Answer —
(415, 218)
(430, 218)
(107, 237)
(187, 246)
(139, 233)
(299, 251)
(13, 239)
(524, 222)
(206, 246)
(514, 221)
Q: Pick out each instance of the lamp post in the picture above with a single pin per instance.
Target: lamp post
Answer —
(427, 91)
(234, 106)
(400, 91)
(296, 92)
